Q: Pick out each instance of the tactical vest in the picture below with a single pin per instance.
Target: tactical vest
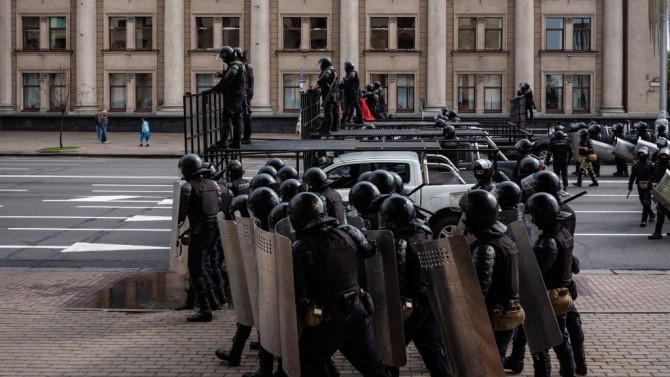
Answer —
(560, 274)
(561, 150)
(239, 186)
(204, 203)
(644, 170)
(334, 204)
(505, 286)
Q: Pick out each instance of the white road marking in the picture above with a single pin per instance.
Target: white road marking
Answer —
(611, 195)
(65, 217)
(134, 191)
(121, 185)
(611, 234)
(149, 218)
(608, 211)
(117, 177)
(105, 198)
(30, 247)
(84, 246)
(94, 229)
(1, 168)
(13, 190)
(122, 207)
(165, 202)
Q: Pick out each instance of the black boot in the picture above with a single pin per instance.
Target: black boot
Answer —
(594, 180)
(255, 345)
(265, 361)
(204, 314)
(579, 180)
(189, 304)
(514, 361)
(234, 356)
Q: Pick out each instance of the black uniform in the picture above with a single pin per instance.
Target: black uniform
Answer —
(325, 270)
(659, 171)
(249, 91)
(621, 165)
(334, 203)
(561, 150)
(233, 87)
(327, 82)
(239, 186)
(641, 174)
(371, 101)
(527, 94)
(380, 100)
(352, 97)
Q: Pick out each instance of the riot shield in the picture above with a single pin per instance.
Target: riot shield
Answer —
(540, 326)
(574, 140)
(178, 251)
(458, 305)
(288, 317)
(355, 221)
(285, 229)
(624, 149)
(603, 151)
(245, 234)
(662, 191)
(235, 266)
(382, 283)
(268, 306)
(650, 146)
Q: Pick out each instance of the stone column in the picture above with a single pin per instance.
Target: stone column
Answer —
(86, 88)
(437, 56)
(174, 57)
(260, 55)
(6, 57)
(524, 33)
(349, 33)
(612, 57)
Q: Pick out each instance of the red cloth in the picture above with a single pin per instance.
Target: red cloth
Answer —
(367, 115)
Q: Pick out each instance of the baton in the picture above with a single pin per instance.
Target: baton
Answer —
(629, 191)
(574, 197)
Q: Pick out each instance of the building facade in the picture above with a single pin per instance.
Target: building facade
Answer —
(582, 58)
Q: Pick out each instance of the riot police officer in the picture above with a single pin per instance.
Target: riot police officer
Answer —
(553, 251)
(508, 195)
(380, 100)
(371, 100)
(287, 172)
(523, 148)
(621, 166)
(241, 56)
(561, 150)
(352, 99)
(659, 171)
(327, 290)
(644, 134)
(661, 131)
(595, 134)
(641, 174)
(235, 182)
(232, 85)
(483, 170)
(200, 202)
(366, 199)
(399, 216)
(585, 157)
(327, 83)
(525, 92)
(317, 182)
(290, 188)
(495, 257)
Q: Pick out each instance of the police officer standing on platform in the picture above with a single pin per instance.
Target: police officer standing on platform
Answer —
(527, 93)
(200, 202)
(241, 56)
(352, 93)
(561, 150)
(641, 173)
(399, 216)
(232, 85)
(327, 290)
(327, 83)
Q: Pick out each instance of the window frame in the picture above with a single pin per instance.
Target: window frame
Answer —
(488, 88)
(561, 90)
(310, 79)
(199, 88)
(57, 84)
(114, 31)
(313, 29)
(227, 39)
(577, 88)
(500, 31)
(460, 90)
(410, 91)
(401, 30)
(461, 33)
(201, 29)
(53, 29)
(380, 30)
(292, 29)
(138, 87)
(111, 94)
(25, 30)
(140, 30)
(547, 31)
(576, 30)
(26, 87)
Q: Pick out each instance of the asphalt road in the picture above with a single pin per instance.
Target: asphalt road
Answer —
(116, 213)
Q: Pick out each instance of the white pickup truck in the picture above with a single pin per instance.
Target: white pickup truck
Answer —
(441, 184)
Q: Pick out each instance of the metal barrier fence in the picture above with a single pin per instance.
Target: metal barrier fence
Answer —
(203, 126)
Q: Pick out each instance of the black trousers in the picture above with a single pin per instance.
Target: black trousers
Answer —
(352, 103)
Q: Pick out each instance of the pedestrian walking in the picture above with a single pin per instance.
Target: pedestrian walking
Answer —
(145, 134)
(102, 126)
(96, 121)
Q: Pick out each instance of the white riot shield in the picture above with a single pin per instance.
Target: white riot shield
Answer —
(268, 306)
(382, 285)
(574, 140)
(239, 290)
(651, 146)
(540, 326)
(662, 191)
(624, 149)
(178, 251)
(288, 316)
(603, 151)
(458, 305)
(285, 229)
(245, 234)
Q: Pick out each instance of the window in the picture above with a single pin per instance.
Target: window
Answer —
(406, 32)
(143, 33)
(554, 93)
(493, 93)
(467, 33)
(581, 93)
(31, 91)
(31, 33)
(231, 31)
(493, 33)
(58, 96)
(292, 90)
(292, 32)
(405, 87)
(204, 36)
(318, 33)
(581, 34)
(379, 33)
(57, 34)
(143, 90)
(466, 93)
(554, 34)
(203, 81)
(117, 33)
(117, 91)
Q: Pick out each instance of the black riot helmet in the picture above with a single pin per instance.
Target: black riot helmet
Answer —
(594, 129)
(583, 133)
(276, 163)
(306, 210)
(661, 142)
(451, 115)
(559, 127)
(234, 169)
(239, 203)
(377, 85)
(642, 127)
(348, 67)
(383, 180)
(315, 178)
(189, 165)
(559, 135)
(528, 166)
(369, 88)
(449, 132)
(546, 181)
(444, 111)
(278, 213)
(260, 203)
(324, 63)
(239, 54)
(524, 86)
(660, 128)
(364, 176)
(267, 169)
(226, 53)
(439, 121)
(362, 194)
(617, 129)
(261, 180)
(523, 146)
(483, 170)
(508, 194)
(543, 208)
(398, 183)
(290, 188)
(396, 212)
(480, 208)
(287, 172)
(643, 153)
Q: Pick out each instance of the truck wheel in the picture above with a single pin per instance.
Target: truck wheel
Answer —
(542, 154)
(445, 226)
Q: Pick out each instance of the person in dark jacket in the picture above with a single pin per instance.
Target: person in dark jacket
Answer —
(660, 168)
(641, 174)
